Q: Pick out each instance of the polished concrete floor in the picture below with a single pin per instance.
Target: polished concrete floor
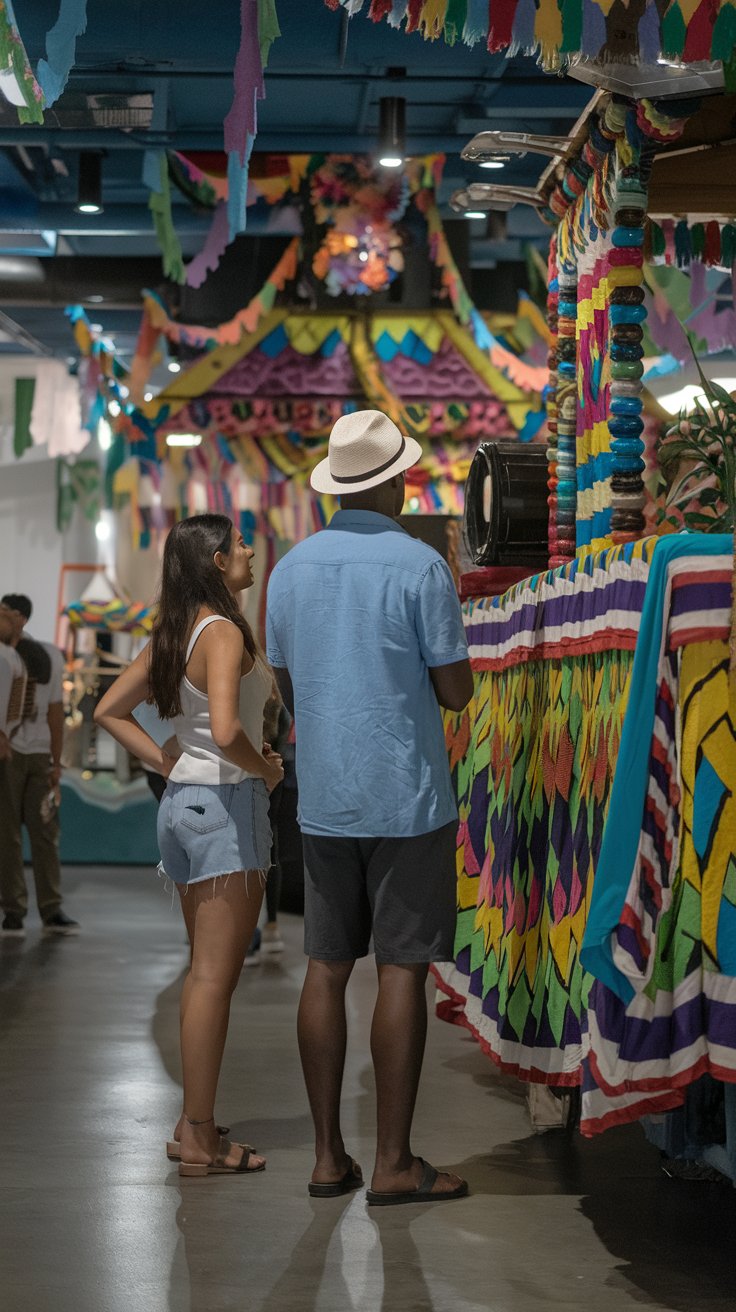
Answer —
(94, 1219)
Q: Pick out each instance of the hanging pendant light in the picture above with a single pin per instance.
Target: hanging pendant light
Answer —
(392, 132)
(89, 191)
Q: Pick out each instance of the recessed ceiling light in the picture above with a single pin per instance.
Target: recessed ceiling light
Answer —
(148, 396)
(475, 214)
(89, 208)
(493, 164)
(184, 439)
(391, 161)
(174, 367)
(95, 300)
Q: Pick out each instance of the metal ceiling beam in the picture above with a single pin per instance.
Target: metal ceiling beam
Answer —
(130, 220)
(515, 113)
(291, 140)
(20, 335)
(134, 71)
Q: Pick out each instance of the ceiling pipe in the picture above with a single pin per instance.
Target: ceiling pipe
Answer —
(131, 219)
(303, 141)
(20, 335)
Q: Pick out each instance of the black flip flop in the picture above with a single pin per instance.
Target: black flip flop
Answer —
(422, 1194)
(352, 1179)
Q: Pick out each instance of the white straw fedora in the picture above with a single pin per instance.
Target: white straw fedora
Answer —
(366, 449)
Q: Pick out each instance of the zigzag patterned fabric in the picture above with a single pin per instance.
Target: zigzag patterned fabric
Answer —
(535, 756)
(664, 1010)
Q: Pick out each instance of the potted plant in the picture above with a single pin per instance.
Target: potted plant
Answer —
(697, 457)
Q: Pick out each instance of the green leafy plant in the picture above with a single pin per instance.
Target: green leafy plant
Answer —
(697, 456)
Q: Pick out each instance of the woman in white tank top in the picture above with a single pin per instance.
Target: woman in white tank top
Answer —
(203, 672)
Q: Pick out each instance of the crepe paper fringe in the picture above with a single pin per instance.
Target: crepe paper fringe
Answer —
(61, 41)
(559, 31)
(259, 28)
(13, 56)
(712, 244)
(156, 322)
(159, 203)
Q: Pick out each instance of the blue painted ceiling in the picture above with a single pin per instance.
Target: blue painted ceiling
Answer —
(325, 78)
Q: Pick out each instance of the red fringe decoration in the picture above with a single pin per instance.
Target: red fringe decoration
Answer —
(712, 248)
(380, 9)
(332, 4)
(413, 14)
(500, 24)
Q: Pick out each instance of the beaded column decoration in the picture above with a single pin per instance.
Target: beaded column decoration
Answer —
(550, 399)
(643, 126)
(567, 309)
(627, 313)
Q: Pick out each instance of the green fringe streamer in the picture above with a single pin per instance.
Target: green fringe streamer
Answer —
(268, 28)
(159, 203)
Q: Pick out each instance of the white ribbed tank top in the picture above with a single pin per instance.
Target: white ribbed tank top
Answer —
(202, 761)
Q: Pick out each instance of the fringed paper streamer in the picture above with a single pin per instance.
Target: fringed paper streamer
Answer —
(159, 203)
(528, 378)
(455, 20)
(414, 15)
(501, 26)
(156, 321)
(218, 239)
(476, 22)
(268, 29)
(432, 19)
(560, 31)
(17, 82)
(61, 40)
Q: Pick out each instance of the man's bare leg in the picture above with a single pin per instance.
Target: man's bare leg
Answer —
(398, 1036)
(322, 1033)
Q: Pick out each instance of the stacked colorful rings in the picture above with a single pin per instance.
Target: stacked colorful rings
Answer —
(562, 536)
(552, 414)
(627, 313)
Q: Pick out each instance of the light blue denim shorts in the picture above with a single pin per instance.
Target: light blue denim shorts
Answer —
(205, 830)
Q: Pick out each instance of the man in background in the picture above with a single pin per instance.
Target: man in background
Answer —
(12, 685)
(29, 782)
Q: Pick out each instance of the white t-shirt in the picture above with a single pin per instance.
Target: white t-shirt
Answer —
(34, 735)
(12, 688)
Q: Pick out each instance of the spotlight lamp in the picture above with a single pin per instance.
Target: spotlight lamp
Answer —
(496, 147)
(392, 132)
(89, 193)
(487, 196)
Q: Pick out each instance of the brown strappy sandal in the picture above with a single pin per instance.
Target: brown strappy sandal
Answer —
(173, 1147)
(218, 1165)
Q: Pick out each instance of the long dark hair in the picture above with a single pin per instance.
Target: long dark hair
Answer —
(190, 579)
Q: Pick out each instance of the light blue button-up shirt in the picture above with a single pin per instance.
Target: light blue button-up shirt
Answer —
(358, 614)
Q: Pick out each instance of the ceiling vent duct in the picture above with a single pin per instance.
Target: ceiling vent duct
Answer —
(127, 113)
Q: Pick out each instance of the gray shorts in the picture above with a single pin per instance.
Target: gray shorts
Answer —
(403, 891)
(206, 830)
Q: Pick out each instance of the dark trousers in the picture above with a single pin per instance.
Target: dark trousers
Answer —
(24, 783)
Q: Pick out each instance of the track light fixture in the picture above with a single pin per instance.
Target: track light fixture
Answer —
(89, 192)
(392, 132)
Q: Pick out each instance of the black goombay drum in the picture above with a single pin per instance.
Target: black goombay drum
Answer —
(506, 514)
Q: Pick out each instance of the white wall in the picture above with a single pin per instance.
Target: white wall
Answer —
(32, 550)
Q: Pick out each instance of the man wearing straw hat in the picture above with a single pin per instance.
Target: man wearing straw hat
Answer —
(366, 636)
